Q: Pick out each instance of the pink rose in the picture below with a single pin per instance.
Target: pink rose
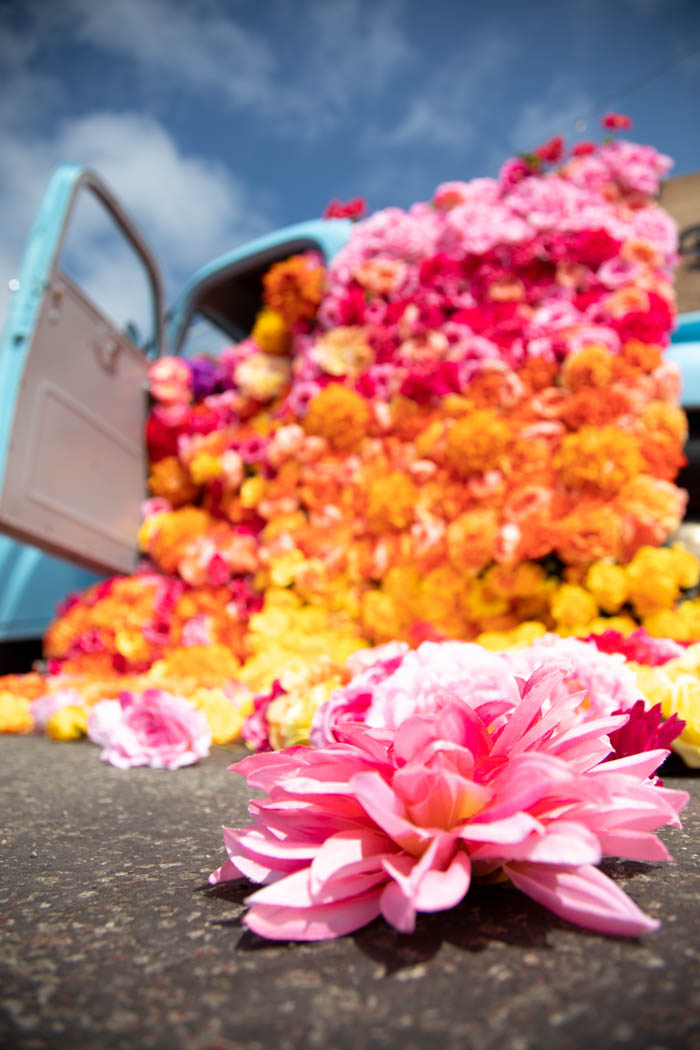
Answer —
(153, 728)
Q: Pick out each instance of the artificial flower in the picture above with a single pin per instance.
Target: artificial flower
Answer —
(399, 822)
(154, 728)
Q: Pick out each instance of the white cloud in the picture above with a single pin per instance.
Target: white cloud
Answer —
(189, 209)
(328, 54)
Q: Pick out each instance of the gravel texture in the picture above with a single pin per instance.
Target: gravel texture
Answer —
(111, 937)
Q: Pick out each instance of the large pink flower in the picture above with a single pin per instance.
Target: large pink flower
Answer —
(154, 728)
(393, 822)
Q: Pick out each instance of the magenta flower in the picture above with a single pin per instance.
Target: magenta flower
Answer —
(154, 728)
(646, 729)
(395, 822)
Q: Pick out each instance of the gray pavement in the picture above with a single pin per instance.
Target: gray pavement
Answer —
(112, 939)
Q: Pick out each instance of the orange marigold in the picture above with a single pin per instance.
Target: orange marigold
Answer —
(649, 498)
(594, 407)
(340, 415)
(538, 373)
(477, 442)
(471, 539)
(636, 357)
(592, 366)
(659, 416)
(598, 459)
(663, 455)
(590, 532)
(170, 480)
(294, 288)
(391, 502)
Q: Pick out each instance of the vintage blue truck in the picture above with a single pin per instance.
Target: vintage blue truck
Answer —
(73, 396)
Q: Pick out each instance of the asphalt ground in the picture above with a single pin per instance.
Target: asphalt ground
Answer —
(111, 937)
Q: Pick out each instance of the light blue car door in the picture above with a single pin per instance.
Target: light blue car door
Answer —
(72, 409)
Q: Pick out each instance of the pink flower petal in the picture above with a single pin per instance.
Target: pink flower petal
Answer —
(583, 896)
(313, 924)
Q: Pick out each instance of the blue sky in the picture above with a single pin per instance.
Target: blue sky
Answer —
(215, 121)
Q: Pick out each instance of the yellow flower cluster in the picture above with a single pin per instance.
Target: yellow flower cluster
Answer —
(676, 686)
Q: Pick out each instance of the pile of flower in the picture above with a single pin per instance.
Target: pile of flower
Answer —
(463, 427)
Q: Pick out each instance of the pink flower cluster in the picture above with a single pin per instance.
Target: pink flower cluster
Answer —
(154, 728)
(401, 682)
(395, 821)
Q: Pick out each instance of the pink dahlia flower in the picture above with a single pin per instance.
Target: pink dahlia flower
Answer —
(153, 728)
(395, 822)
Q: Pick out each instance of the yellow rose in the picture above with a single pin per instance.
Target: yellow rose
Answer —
(68, 723)
(608, 585)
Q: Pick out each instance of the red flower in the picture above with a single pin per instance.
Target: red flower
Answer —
(616, 121)
(582, 149)
(646, 730)
(354, 209)
(551, 151)
(161, 441)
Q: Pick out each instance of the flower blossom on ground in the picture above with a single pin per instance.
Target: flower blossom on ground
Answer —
(154, 728)
(394, 822)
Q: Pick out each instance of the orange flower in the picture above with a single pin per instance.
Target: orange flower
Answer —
(340, 415)
(627, 300)
(170, 480)
(637, 357)
(391, 502)
(590, 532)
(471, 539)
(294, 288)
(538, 373)
(652, 499)
(595, 407)
(477, 442)
(592, 366)
(379, 275)
(659, 416)
(598, 459)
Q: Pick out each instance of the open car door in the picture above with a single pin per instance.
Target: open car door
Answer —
(73, 401)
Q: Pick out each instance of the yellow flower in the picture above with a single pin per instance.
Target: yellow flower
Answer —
(271, 332)
(252, 491)
(382, 616)
(678, 692)
(651, 583)
(517, 638)
(68, 723)
(132, 645)
(572, 606)
(608, 585)
(283, 569)
(224, 714)
(623, 624)
(14, 713)
(685, 566)
(205, 467)
(290, 716)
